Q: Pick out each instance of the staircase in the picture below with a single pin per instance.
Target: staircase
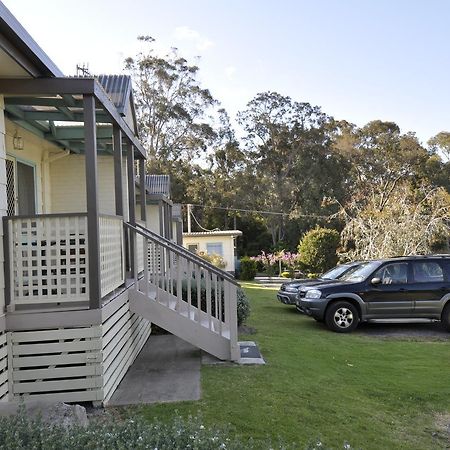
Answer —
(184, 294)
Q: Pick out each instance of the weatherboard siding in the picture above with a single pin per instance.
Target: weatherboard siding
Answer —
(68, 184)
(35, 152)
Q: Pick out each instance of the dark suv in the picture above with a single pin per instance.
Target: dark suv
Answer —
(404, 287)
(289, 290)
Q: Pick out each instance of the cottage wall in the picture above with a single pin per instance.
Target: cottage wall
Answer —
(68, 184)
(36, 152)
(227, 245)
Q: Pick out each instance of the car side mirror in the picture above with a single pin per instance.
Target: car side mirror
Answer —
(375, 280)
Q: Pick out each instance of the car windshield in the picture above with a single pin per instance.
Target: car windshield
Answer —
(361, 272)
(336, 272)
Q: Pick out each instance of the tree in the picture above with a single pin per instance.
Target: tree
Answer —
(415, 220)
(289, 153)
(172, 111)
(441, 142)
(318, 249)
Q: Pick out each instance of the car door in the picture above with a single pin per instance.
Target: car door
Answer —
(428, 287)
(390, 297)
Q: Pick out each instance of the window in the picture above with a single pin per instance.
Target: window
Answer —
(396, 273)
(427, 272)
(214, 248)
(193, 248)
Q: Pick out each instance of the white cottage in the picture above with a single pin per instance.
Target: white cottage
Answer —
(221, 243)
(82, 277)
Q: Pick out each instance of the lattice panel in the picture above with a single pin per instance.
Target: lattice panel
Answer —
(3, 367)
(112, 272)
(10, 187)
(49, 259)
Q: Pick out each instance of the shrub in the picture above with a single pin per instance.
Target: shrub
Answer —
(20, 432)
(248, 269)
(243, 307)
(214, 259)
(318, 249)
(243, 304)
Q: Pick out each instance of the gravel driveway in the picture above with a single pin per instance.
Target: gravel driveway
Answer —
(417, 331)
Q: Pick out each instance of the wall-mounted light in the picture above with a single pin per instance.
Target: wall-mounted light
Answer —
(17, 141)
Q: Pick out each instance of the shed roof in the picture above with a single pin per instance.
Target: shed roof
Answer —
(233, 233)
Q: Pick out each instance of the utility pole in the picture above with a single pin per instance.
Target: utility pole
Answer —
(189, 217)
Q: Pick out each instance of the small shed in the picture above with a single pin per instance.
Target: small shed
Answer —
(222, 243)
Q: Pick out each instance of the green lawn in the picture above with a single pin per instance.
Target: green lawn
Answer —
(374, 393)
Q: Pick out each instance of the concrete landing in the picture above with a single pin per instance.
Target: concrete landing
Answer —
(166, 370)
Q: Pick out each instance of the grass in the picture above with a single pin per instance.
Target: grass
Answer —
(373, 393)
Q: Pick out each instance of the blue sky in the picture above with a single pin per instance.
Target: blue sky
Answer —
(358, 60)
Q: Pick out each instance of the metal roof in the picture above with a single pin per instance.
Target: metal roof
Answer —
(118, 87)
(214, 233)
(23, 48)
(158, 184)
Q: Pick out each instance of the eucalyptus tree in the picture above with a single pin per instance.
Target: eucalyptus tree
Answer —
(288, 144)
(173, 110)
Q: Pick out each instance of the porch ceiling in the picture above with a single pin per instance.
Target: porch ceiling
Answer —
(52, 108)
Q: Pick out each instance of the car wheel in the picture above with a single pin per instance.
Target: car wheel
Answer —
(445, 317)
(342, 317)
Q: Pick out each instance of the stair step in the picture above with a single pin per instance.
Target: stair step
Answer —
(183, 323)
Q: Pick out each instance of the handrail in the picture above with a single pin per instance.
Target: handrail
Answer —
(45, 216)
(180, 251)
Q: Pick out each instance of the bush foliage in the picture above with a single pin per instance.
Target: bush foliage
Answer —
(318, 249)
(248, 269)
(20, 432)
(243, 304)
(214, 259)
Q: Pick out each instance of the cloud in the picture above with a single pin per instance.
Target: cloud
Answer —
(230, 71)
(201, 43)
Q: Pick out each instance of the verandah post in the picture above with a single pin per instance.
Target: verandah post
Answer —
(93, 239)
(118, 186)
(132, 207)
(143, 189)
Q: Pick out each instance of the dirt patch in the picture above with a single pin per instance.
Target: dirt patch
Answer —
(245, 329)
(442, 425)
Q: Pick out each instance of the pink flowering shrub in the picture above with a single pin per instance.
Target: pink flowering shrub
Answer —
(278, 260)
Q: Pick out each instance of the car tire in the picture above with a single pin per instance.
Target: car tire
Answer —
(445, 317)
(342, 317)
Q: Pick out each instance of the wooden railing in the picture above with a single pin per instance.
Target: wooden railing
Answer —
(46, 258)
(186, 283)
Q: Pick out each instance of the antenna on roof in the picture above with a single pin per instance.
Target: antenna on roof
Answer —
(83, 70)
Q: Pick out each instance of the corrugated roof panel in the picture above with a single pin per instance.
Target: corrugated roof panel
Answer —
(118, 88)
(158, 184)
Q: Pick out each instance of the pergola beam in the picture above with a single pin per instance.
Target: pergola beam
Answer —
(42, 101)
(77, 133)
(71, 86)
(63, 117)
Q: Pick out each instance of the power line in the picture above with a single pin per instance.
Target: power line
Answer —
(256, 211)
